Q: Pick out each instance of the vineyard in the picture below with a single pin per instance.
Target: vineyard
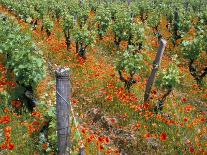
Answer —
(103, 77)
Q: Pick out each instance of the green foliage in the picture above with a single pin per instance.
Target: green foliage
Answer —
(169, 78)
(144, 7)
(52, 137)
(138, 34)
(48, 24)
(193, 48)
(134, 9)
(84, 36)
(83, 14)
(114, 7)
(23, 57)
(103, 18)
(56, 8)
(130, 62)
(5, 98)
(184, 24)
(122, 24)
(154, 19)
(93, 5)
(68, 22)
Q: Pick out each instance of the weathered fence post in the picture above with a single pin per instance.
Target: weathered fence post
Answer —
(156, 65)
(82, 151)
(129, 2)
(63, 93)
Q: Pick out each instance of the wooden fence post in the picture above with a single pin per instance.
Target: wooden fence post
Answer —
(63, 93)
(129, 2)
(156, 65)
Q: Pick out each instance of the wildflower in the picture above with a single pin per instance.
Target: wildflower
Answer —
(7, 129)
(138, 125)
(184, 99)
(92, 136)
(6, 110)
(188, 108)
(163, 136)
(185, 119)
(11, 146)
(107, 140)
(36, 114)
(3, 146)
(101, 147)
(45, 146)
(74, 101)
(109, 98)
(191, 149)
(84, 130)
(100, 139)
(113, 120)
(147, 135)
(5, 119)
(36, 125)
(8, 136)
(16, 103)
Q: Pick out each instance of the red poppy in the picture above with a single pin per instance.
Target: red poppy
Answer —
(36, 114)
(163, 136)
(138, 125)
(109, 98)
(92, 136)
(184, 99)
(188, 108)
(185, 119)
(45, 146)
(6, 110)
(191, 149)
(147, 135)
(100, 139)
(16, 104)
(107, 140)
(74, 101)
(11, 146)
(5, 119)
(101, 147)
(84, 130)
(3, 146)
(7, 129)
(203, 119)
(113, 120)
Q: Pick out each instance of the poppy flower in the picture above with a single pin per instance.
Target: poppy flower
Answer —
(184, 99)
(16, 104)
(5, 119)
(84, 130)
(74, 101)
(11, 146)
(45, 146)
(107, 140)
(191, 149)
(147, 135)
(113, 120)
(3, 146)
(101, 147)
(100, 139)
(7, 129)
(185, 119)
(109, 98)
(163, 136)
(138, 125)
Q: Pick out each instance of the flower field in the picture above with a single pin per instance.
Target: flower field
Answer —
(137, 73)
